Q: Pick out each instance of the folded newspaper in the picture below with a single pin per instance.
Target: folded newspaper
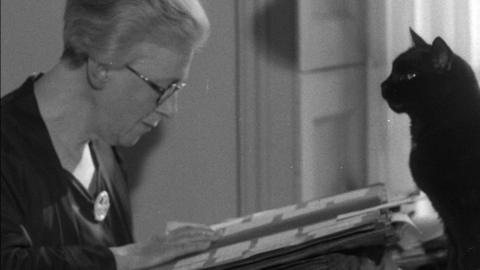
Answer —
(300, 235)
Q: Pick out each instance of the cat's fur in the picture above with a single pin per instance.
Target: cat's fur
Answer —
(439, 92)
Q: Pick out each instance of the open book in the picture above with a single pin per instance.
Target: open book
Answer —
(300, 233)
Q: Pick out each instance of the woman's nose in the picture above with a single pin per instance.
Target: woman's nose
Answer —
(169, 106)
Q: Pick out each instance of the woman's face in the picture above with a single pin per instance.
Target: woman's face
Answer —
(126, 107)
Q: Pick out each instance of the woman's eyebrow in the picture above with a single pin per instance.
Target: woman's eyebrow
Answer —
(169, 80)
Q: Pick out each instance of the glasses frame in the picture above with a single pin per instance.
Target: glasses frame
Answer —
(163, 93)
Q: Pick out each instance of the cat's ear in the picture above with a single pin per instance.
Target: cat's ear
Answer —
(417, 40)
(442, 55)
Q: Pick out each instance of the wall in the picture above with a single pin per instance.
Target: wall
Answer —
(31, 39)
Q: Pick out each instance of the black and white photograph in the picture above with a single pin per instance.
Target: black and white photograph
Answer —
(240, 134)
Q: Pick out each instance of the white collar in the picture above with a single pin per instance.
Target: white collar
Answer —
(85, 168)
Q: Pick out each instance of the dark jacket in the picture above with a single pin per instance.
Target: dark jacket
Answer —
(47, 219)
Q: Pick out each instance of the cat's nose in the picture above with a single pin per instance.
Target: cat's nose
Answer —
(384, 87)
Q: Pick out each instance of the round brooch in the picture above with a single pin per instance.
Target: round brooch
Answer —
(101, 206)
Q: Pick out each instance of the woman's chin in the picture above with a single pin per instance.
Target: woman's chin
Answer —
(133, 135)
(129, 140)
(132, 142)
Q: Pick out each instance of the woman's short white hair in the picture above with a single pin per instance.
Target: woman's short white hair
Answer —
(105, 30)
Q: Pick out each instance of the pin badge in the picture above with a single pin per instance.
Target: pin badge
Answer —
(101, 206)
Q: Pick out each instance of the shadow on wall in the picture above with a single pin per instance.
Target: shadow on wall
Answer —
(275, 32)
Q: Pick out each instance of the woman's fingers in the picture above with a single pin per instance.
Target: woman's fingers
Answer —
(184, 244)
(181, 227)
(198, 233)
(163, 249)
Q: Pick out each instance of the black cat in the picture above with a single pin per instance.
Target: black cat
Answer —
(439, 92)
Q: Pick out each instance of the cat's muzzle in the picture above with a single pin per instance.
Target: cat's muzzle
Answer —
(391, 95)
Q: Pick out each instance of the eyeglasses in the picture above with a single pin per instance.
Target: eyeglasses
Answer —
(163, 93)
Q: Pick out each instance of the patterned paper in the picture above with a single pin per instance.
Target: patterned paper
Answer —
(274, 229)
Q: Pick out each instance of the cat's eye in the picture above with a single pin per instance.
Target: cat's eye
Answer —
(411, 76)
(408, 76)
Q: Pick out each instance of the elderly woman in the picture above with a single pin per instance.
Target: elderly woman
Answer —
(64, 198)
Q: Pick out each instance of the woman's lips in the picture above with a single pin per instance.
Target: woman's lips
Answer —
(152, 120)
(150, 126)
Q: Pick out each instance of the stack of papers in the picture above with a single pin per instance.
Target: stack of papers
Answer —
(427, 245)
(302, 235)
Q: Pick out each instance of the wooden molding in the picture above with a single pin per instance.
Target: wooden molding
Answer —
(266, 106)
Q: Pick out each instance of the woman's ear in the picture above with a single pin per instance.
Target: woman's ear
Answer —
(97, 74)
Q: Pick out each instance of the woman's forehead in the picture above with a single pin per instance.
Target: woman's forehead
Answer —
(149, 52)
(156, 58)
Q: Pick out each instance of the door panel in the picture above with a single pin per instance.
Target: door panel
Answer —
(332, 131)
(332, 96)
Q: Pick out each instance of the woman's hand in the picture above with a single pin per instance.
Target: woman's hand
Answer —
(162, 249)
